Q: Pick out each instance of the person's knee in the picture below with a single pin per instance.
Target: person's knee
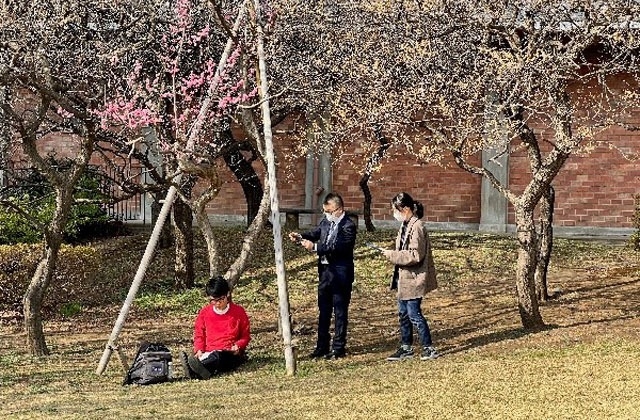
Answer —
(416, 317)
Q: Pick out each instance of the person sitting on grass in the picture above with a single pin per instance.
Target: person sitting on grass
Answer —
(221, 335)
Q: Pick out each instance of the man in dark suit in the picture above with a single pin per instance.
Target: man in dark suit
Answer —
(333, 240)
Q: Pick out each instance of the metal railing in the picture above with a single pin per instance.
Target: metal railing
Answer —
(125, 206)
(119, 205)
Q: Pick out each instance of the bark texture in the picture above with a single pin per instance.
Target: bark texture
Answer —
(545, 246)
(184, 272)
(525, 270)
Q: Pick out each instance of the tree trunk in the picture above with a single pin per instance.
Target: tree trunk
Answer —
(283, 291)
(244, 173)
(635, 222)
(165, 241)
(5, 134)
(545, 243)
(237, 268)
(183, 231)
(32, 301)
(37, 289)
(198, 205)
(364, 186)
(525, 270)
(212, 246)
(374, 161)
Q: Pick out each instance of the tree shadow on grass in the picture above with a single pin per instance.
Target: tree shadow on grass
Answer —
(597, 321)
(598, 290)
(519, 332)
(485, 339)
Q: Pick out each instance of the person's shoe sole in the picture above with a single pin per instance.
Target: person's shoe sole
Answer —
(184, 360)
(334, 356)
(199, 368)
(397, 359)
(318, 355)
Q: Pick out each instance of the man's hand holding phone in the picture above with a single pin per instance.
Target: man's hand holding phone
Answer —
(295, 237)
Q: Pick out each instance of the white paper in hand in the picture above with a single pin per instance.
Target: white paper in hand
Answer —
(373, 246)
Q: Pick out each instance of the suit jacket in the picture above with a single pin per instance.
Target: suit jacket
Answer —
(338, 250)
(414, 261)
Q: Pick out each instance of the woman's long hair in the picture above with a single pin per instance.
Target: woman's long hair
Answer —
(403, 200)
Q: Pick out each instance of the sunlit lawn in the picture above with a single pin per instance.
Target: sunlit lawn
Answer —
(583, 366)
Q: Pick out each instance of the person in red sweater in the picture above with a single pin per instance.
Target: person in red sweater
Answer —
(221, 334)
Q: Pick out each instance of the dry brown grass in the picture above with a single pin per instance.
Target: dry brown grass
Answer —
(583, 366)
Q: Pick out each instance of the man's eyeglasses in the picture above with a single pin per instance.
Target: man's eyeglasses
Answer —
(332, 211)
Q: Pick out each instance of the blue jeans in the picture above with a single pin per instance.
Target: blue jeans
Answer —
(410, 314)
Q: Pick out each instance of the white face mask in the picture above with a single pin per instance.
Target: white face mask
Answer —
(329, 217)
(398, 216)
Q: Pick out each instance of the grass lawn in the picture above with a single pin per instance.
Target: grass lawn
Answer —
(583, 366)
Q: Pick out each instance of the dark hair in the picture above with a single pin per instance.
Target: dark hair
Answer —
(335, 197)
(404, 200)
(217, 287)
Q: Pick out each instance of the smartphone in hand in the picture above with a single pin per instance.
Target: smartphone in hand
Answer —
(297, 238)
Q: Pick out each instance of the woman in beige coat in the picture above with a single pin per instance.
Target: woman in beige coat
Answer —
(414, 276)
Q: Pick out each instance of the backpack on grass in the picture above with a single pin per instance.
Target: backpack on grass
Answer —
(150, 366)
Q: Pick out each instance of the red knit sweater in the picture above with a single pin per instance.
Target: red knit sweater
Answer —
(220, 332)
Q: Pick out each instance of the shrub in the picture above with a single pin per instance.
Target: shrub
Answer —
(635, 236)
(16, 229)
(73, 283)
(30, 191)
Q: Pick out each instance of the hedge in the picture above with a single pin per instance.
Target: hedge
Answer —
(73, 284)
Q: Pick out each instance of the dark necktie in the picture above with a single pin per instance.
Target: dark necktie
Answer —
(403, 233)
(331, 230)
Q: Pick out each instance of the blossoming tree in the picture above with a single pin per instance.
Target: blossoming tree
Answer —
(463, 78)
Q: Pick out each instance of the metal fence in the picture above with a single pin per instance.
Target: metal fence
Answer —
(125, 206)
(118, 204)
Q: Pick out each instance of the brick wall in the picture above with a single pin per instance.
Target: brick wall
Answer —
(597, 190)
(594, 189)
(447, 193)
(591, 190)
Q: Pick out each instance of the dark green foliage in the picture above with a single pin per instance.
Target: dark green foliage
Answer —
(67, 310)
(16, 229)
(30, 191)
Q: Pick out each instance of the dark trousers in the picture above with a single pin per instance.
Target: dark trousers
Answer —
(222, 361)
(334, 295)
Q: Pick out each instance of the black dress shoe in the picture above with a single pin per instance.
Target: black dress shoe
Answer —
(335, 354)
(198, 371)
(318, 353)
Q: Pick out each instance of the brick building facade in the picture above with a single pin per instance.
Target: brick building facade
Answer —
(594, 192)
